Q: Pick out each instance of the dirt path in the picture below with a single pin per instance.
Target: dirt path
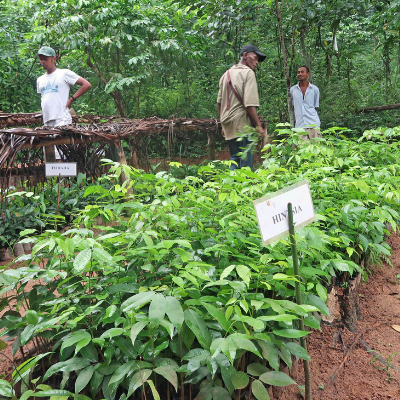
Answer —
(359, 378)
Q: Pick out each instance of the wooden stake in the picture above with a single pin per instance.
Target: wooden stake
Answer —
(211, 145)
(307, 374)
(58, 196)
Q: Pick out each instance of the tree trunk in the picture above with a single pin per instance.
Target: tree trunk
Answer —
(119, 156)
(350, 304)
(335, 48)
(386, 62)
(115, 94)
(306, 57)
(285, 63)
(348, 75)
(398, 66)
(138, 99)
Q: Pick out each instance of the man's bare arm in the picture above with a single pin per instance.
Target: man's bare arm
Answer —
(84, 87)
(252, 111)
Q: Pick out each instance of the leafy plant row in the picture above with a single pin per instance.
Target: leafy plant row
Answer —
(26, 209)
(174, 295)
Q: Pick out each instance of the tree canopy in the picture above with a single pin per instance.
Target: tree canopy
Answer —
(165, 57)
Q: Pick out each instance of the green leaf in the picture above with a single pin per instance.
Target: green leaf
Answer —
(138, 380)
(227, 374)
(168, 326)
(259, 390)
(54, 392)
(270, 353)
(297, 350)
(243, 343)
(321, 292)
(137, 301)
(218, 315)
(32, 317)
(174, 312)
(75, 337)
(156, 396)
(81, 397)
(317, 302)
(257, 369)
(312, 322)
(82, 259)
(27, 333)
(290, 333)
(284, 277)
(280, 317)
(6, 389)
(245, 273)
(24, 369)
(122, 371)
(240, 380)
(219, 393)
(276, 378)
(101, 255)
(84, 378)
(137, 328)
(110, 333)
(169, 374)
(73, 364)
(226, 272)
(157, 309)
(197, 325)
(26, 395)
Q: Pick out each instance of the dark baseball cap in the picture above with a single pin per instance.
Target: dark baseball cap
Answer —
(250, 48)
(47, 51)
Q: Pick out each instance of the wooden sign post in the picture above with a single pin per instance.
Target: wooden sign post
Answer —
(280, 214)
(60, 169)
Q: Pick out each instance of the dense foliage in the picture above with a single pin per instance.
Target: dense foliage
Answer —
(37, 209)
(170, 290)
(165, 57)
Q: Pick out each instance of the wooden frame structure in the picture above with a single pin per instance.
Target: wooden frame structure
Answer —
(93, 130)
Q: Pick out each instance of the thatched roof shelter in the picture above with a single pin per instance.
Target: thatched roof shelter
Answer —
(96, 132)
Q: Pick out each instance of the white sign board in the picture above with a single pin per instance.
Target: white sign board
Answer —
(63, 169)
(272, 211)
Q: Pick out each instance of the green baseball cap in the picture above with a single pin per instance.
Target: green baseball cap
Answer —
(47, 51)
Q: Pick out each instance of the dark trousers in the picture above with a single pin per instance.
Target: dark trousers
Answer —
(236, 147)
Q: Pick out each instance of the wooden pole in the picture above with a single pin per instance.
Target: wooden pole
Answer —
(58, 196)
(211, 145)
(303, 341)
(119, 153)
(49, 153)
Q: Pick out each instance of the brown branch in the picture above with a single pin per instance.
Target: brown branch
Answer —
(378, 108)
(116, 95)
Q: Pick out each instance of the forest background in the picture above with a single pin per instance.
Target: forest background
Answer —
(165, 58)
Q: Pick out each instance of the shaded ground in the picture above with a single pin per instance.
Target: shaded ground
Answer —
(222, 154)
(359, 378)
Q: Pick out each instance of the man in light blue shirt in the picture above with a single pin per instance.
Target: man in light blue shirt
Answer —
(305, 100)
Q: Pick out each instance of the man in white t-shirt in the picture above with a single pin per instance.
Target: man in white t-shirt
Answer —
(54, 88)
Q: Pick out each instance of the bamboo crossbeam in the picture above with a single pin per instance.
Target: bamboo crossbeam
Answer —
(73, 134)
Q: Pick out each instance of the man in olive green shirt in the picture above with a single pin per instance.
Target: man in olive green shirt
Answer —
(237, 104)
